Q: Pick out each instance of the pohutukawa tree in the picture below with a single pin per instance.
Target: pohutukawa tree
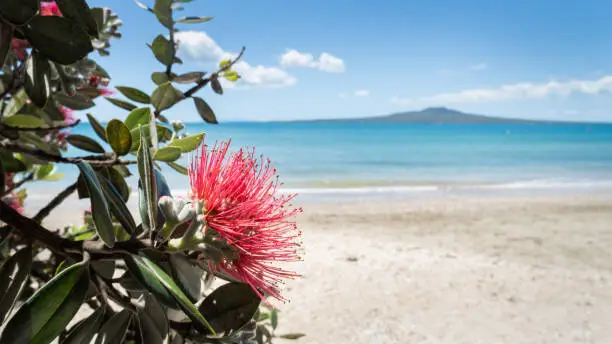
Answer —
(204, 268)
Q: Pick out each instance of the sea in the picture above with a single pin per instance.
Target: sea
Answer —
(338, 161)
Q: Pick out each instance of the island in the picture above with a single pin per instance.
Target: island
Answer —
(437, 115)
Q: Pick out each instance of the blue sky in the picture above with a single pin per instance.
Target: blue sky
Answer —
(348, 58)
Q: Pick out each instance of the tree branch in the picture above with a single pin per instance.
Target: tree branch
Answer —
(34, 231)
(96, 160)
(214, 75)
(44, 212)
(45, 129)
(19, 184)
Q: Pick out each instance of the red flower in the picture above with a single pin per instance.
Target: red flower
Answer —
(242, 205)
(68, 114)
(105, 92)
(19, 46)
(14, 202)
(49, 9)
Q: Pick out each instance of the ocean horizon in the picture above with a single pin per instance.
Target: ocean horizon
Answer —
(351, 159)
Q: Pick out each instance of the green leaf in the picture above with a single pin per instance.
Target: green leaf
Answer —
(163, 12)
(44, 171)
(99, 207)
(24, 121)
(224, 63)
(97, 127)
(6, 37)
(178, 168)
(152, 321)
(167, 153)
(188, 78)
(274, 318)
(15, 104)
(18, 12)
(60, 39)
(78, 11)
(189, 143)
(11, 164)
(159, 78)
(188, 275)
(118, 180)
(119, 137)
(165, 96)
(148, 205)
(192, 312)
(122, 104)
(84, 331)
(163, 135)
(117, 205)
(99, 71)
(162, 49)
(292, 336)
(230, 306)
(231, 75)
(77, 101)
(114, 330)
(216, 86)
(205, 111)
(138, 116)
(148, 280)
(104, 268)
(134, 94)
(85, 143)
(14, 275)
(194, 20)
(47, 313)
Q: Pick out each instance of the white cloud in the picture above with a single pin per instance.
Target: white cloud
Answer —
(479, 66)
(523, 90)
(198, 46)
(362, 93)
(326, 62)
(331, 64)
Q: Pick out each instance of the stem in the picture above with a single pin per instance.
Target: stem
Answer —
(44, 212)
(96, 160)
(191, 239)
(34, 231)
(19, 184)
(214, 75)
(45, 129)
(200, 84)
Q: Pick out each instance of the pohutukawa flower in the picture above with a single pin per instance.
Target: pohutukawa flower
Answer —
(49, 8)
(242, 205)
(19, 46)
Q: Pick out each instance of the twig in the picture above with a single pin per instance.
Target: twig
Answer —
(108, 292)
(19, 184)
(214, 75)
(32, 230)
(57, 200)
(203, 82)
(45, 129)
(173, 50)
(97, 160)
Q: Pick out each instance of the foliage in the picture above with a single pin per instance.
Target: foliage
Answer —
(167, 279)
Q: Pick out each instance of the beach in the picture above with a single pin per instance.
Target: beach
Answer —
(530, 268)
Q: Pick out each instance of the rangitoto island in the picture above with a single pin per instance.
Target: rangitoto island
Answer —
(437, 115)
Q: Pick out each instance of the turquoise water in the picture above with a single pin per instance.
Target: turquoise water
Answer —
(358, 157)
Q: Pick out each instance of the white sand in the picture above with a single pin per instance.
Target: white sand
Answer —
(457, 270)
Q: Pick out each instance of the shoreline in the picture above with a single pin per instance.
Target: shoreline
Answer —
(463, 269)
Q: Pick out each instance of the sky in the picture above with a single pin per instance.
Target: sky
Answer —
(547, 59)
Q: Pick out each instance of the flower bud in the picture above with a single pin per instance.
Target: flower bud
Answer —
(177, 125)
